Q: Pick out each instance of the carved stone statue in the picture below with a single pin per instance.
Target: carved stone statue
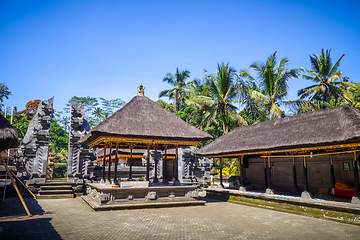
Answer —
(32, 159)
(81, 159)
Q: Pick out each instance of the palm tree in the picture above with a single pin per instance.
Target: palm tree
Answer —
(273, 78)
(219, 98)
(180, 89)
(327, 78)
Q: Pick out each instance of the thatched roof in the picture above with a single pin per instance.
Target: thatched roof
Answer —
(8, 135)
(332, 126)
(142, 118)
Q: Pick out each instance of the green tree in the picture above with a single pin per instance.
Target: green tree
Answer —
(4, 93)
(222, 94)
(165, 105)
(180, 89)
(327, 78)
(58, 137)
(273, 78)
(111, 106)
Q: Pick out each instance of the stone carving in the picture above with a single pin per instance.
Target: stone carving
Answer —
(189, 172)
(32, 158)
(81, 159)
(151, 195)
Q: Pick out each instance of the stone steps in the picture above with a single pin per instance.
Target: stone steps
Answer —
(56, 187)
(55, 190)
(57, 196)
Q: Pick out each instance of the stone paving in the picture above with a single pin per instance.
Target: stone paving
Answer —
(73, 219)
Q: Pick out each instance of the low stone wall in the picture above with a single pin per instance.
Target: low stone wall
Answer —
(105, 194)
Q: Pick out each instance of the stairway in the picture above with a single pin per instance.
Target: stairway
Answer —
(55, 190)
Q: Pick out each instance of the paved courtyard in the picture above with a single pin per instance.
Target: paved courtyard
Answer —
(73, 219)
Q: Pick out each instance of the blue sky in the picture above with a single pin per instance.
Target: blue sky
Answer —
(107, 48)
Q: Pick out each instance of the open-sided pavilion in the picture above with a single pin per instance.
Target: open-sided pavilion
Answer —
(329, 132)
(143, 124)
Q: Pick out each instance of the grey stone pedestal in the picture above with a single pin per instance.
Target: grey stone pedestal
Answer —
(306, 195)
(355, 200)
(269, 191)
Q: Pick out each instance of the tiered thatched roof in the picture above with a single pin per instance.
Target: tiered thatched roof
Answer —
(8, 136)
(142, 118)
(318, 130)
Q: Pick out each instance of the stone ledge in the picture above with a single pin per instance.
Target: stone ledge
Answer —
(136, 205)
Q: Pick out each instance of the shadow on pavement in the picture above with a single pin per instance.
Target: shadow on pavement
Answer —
(211, 200)
(13, 207)
(40, 228)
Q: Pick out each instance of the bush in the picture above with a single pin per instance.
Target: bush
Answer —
(60, 170)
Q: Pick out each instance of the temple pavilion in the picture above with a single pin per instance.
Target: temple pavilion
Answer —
(315, 149)
(142, 124)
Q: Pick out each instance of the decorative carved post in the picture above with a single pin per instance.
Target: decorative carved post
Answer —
(165, 181)
(116, 182)
(265, 172)
(356, 175)
(156, 180)
(269, 189)
(176, 181)
(103, 180)
(355, 199)
(305, 193)
(130, 160)
(109, 166)
(242, 173)
(148, 163)
(332, 174)
(221, 177)
(294, 175)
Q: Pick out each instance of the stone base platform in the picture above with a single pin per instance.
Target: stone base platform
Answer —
(105, 197)
(141, 205)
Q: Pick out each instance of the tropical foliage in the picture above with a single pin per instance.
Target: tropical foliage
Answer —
(217, 103)
(180, 90)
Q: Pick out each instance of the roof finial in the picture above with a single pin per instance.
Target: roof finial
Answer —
(141, 89)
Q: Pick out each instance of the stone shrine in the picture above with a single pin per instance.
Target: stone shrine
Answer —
(32, 158)
(81, 159)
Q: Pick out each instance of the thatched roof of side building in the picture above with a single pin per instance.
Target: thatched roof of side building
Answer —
(8, 135)
(319, 129)
(142, 118)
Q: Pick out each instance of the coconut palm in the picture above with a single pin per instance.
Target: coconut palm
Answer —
(273, 78)
(327, 78)
(220, 97)
(180, 89)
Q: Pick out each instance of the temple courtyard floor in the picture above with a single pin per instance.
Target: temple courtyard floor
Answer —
(74, 219)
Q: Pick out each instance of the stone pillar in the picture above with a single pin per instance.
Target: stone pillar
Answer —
(176, 181)
(305, 193)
